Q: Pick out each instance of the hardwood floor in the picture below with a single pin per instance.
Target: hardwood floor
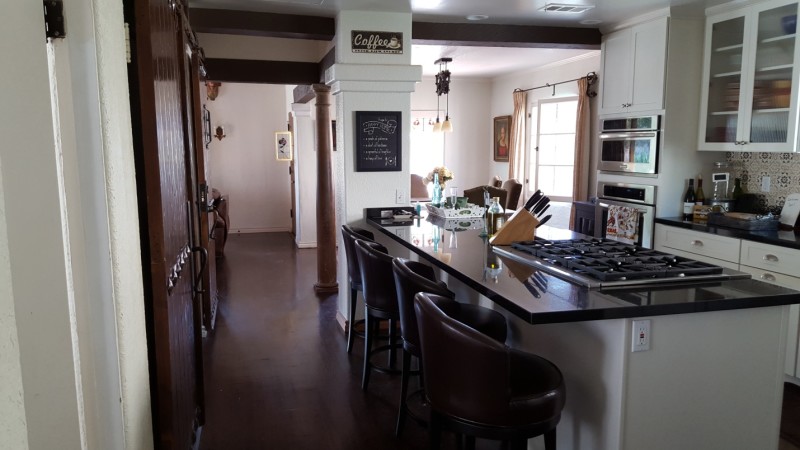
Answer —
(277, 374)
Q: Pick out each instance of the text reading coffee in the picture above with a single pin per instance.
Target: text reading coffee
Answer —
(377, 42)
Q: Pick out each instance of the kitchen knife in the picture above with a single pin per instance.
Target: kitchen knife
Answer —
(540, 206)
(531, 288)
(541, 213)
(538, 283)
(532, 201)
(543, 221)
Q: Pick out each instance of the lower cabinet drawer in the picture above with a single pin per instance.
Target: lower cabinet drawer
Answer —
(770, 258)
(698, 257)
(792, 367)
(698, 244)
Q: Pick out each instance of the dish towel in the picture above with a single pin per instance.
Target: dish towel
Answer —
(623, 224)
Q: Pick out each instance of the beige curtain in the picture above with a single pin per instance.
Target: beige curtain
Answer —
(516, 155)
(580, 181)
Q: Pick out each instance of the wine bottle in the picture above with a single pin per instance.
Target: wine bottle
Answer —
(688, 201)
(737, 188)
(700, 198)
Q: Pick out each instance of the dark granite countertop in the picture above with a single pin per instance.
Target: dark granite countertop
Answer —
(538, 297)
(790, 238)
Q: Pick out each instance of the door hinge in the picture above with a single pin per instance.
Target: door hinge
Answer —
(128, 45)
(54, 19)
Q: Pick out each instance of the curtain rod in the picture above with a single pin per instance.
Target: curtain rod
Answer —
(591, 76)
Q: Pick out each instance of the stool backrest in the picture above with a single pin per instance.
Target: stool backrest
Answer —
(411, 277)
(377, 277)
(466, 372)
(349, 236)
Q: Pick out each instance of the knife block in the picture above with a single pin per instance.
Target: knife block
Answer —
(519, 227)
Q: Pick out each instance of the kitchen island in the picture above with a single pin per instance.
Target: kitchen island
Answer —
(712, 378)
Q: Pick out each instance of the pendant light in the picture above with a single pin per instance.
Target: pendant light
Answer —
(443, 88)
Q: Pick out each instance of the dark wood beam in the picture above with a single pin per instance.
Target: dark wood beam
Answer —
(488, 35)
(303, 93)
(254, 71)
(222, 21)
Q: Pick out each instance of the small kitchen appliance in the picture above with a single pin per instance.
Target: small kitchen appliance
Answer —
(721, 187)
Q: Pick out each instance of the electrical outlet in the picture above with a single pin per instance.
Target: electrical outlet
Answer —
(765, 184)
(402, 233)
(640, 335)
(400, 197)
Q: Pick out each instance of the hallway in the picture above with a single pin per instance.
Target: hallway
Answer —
(277, 375)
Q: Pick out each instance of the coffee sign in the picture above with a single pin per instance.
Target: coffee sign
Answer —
(377, 42)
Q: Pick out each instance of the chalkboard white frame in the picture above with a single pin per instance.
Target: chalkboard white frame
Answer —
(389, 125)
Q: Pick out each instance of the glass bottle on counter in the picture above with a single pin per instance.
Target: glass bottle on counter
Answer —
(495, 217)
(700, 197)
(737, 188)
(688, 201)
(436, 199)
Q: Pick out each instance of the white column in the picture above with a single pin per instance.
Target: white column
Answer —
(368, 82)
(305, 176)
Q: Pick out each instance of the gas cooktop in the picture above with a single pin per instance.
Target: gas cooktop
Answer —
(598, 263)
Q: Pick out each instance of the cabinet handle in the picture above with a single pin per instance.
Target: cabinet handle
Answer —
(770, 257)
(696, 243)
(768, 277)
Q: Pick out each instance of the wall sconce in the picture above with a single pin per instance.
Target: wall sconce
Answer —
(212, 89)
(219, 132)
(443, 88)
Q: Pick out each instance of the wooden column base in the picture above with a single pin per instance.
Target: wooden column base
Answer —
(326, 288)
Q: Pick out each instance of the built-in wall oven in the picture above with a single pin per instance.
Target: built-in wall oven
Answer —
(638, 196)
(630, 144)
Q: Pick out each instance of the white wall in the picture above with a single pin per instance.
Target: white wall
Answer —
(244, 164)
(502, 102)
(468, 149)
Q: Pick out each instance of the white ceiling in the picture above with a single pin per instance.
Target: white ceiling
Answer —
(481, 61)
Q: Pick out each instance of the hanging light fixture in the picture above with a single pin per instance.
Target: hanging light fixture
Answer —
(443, 88)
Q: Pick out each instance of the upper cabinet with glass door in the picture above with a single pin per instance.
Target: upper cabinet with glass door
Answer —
(750, 80)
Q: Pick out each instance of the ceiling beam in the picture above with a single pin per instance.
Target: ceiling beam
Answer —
(247, 23)
(256, 71)
(488, 35)
(292, 26)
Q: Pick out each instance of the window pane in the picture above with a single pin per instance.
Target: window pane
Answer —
(546, 179)
(558, 117)
(557, 149)
(427, 147)
(563, 185)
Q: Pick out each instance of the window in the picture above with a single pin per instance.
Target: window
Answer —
(551, 165)
(427, 147)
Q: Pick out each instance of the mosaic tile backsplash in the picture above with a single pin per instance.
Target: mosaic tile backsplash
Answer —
(782, 168)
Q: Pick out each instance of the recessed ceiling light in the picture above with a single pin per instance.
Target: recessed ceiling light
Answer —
(477, 17)
(565, 8)
(590, 22)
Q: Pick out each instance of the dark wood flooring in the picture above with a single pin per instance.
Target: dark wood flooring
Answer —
(277, 374)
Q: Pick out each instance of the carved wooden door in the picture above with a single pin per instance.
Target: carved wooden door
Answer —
(164, 166)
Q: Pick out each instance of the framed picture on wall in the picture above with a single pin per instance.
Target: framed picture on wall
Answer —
(502, 135)
(283, 145)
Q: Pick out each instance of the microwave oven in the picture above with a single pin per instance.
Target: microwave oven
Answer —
(630, 144)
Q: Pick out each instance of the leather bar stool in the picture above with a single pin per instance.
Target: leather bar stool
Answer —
(380, 299)
(480, 387)
(349, 236)
(410, 278)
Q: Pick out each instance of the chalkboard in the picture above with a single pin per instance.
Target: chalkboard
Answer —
(378, 144)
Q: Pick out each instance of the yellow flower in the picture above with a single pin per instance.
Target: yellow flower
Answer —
(444, 173)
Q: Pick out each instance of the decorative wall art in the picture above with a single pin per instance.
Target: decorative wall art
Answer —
(283, 145)
(378, 141)
(502, 135)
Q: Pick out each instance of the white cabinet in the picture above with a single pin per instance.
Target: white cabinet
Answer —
(698, 245)
(769, 263)
(750, 78)
(633, 66)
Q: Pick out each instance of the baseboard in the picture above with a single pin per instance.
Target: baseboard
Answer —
(260, 230)
(342, 320)
(306, 244)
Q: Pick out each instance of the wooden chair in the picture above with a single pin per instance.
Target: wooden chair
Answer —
(514, 189)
